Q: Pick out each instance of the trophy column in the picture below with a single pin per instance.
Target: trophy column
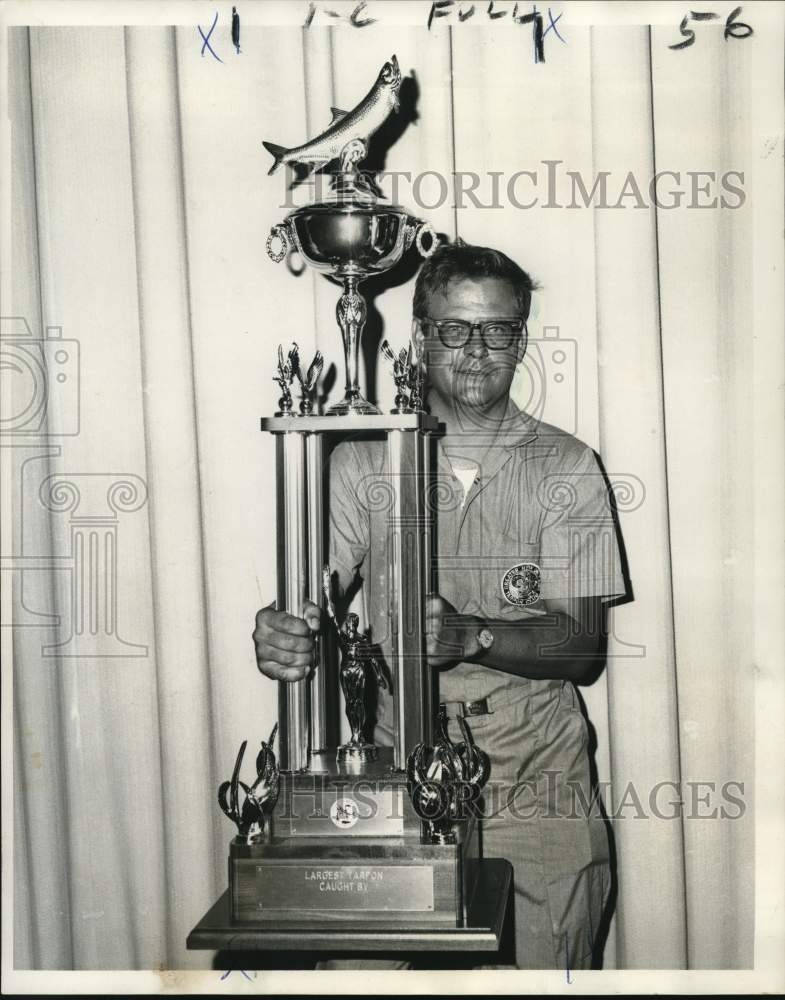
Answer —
(300, 545)
(410, 571)
(304, 726)
(314, 460)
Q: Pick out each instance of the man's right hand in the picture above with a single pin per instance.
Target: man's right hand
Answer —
(284, 643)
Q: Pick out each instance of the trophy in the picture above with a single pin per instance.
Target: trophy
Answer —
(351, 235)
(339, 839)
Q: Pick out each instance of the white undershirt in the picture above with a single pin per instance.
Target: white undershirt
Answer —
(465, 472)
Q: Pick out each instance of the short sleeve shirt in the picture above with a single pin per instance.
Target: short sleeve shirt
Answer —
(536, 524)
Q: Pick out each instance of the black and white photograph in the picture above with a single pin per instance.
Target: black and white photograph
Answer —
(393, 497)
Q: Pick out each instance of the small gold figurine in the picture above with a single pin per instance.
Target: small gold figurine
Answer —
(356, 656)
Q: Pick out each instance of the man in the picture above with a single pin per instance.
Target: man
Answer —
(526, 556)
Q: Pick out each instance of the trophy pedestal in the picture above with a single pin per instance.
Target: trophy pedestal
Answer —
(357, 753)
(348, 848)
(353, 404)
(485, 937)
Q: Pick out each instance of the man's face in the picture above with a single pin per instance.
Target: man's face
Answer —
(472, 375)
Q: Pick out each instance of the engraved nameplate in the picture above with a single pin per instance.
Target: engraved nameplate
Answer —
(345, 887)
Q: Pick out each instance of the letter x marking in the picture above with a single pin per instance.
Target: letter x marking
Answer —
(206, 37)
(553, 25)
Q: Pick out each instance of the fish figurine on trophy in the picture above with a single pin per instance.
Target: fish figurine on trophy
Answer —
(356, 656)
(346, 137)
(352, 234)
(252, 818)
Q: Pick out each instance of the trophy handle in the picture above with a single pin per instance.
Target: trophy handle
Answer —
(426, 229)
(279, 233)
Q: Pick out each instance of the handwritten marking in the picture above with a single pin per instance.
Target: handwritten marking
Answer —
(207, 37)
(552, 25)
(354, 18)
(242, 971)
(536, 19)
(438, 10)
(732, 23)
(236, 30)
(733, 28)
(444, 9)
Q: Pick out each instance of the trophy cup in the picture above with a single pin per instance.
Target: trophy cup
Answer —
(361, 839)
(352, 234)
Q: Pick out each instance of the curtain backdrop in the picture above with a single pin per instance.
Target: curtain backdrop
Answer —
(144, 505)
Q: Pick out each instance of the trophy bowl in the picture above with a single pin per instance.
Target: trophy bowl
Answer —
(352, 239)
(348, 239)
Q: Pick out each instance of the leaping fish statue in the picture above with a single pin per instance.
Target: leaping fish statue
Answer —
(348, 133)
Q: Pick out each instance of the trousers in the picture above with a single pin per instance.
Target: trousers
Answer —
(539, 812)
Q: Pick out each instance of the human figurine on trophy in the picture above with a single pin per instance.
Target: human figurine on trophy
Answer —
(356, 657)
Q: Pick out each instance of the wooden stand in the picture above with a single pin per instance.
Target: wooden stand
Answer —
(481, 933)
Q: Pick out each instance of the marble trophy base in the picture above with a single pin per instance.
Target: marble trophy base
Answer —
(348, 849)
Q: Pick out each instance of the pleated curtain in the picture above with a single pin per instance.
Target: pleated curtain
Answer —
(140, 209)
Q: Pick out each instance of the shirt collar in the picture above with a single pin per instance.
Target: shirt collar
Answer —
(517, 429)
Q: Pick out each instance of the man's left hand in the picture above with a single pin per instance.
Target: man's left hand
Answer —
(450, 636)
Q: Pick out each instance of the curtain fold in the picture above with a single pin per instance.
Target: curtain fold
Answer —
(146, 503)
(183, 681)
(641, 671)
(706, 349)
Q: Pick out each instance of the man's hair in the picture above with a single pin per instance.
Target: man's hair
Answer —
(458, 260)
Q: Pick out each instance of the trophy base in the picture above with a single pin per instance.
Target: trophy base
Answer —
(353, 406)
(485, 937)
(354, 882)
(346, 798)
(346, 846)
(357, 753)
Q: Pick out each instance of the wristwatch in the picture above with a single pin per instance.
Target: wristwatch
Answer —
(485, 638)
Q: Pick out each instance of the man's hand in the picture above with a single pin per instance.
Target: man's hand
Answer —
(450, 636)
(284, 643)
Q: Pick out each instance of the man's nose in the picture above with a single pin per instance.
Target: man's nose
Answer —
(474, 347)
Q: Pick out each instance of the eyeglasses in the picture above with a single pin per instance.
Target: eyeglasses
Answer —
(496, 334)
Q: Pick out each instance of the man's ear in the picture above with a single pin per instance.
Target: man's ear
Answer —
(418, 340)
(522, 343)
